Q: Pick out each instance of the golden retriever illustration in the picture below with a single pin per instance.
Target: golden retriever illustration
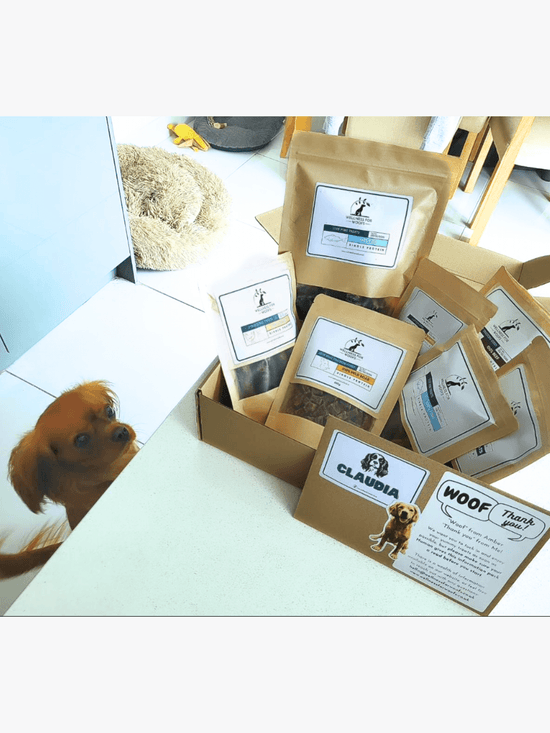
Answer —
(397, 529)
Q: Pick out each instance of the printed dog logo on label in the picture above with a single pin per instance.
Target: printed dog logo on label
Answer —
(515, 406)
(358, 207)
(397, 530)
(430, 316)
(511, 325)
(259, 297)
(375, 463)
(454, 380)
(353, 344)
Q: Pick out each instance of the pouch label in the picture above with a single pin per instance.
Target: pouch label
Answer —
(358, 227)
(509, 331)
(438, 323)
(443, 403)
(353, 363)
(258, 318)
(512, 448)
(370, 472)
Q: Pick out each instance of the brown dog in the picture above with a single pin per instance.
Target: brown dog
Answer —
(75, 451)
(397, 529)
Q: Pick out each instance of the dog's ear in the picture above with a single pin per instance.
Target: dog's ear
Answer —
(32, 470)
(393, 509)
(416, 515)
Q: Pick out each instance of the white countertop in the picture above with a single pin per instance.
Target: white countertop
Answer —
(188, 530)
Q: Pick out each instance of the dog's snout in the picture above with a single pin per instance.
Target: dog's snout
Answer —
(120, 435)
(403, 516)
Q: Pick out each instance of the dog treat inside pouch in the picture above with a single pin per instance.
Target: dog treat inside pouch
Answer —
(441, 304)
(358, 215)
(524, 382)
(518, 320)
(255, 323)
(452, 401)
(348, 362)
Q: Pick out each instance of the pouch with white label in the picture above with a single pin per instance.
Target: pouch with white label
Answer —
(524, 382)
(518, 320)
(348, 362)
(358, 214)
(441, 304)
(452, 401)
(255, 324)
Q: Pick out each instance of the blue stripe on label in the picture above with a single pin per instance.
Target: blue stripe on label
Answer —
(259, 324)
(336, 360)
(434, 420)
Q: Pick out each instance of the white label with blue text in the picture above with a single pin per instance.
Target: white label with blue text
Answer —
(259, 318)
(437, 322)
(351, 362)
(358, 227)
(512, 448)
(443, 403)
(370, 472)
(509, 331)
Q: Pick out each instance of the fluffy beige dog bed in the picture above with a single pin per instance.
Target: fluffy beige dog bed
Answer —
(178, 209)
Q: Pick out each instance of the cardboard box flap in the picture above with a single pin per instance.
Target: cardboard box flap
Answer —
(474, 264)
(535, 272)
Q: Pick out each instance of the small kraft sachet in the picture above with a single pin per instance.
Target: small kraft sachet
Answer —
(254, 319)
(349, 362)
(358, 215)
(441, 304)
(456, 535)
(524, 381)
(518, 320)
(452, 402)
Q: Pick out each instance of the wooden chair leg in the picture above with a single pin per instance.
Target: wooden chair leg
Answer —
(498, 180)
(462, 162)
(479, 160)
(479, 140)
(291, 125)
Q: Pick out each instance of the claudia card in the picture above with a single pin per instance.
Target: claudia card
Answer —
(462, 538)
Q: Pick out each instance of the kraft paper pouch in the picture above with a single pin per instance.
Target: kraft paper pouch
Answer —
(518, 320)
(348, 362)
(441, 304)
(255, 324)
(456, 535)
(525, 384)
(358, 215)
(452, 401)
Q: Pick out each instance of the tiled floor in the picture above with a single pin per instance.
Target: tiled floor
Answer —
(161, 350)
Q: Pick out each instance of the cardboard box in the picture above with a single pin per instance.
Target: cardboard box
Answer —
(460, 537)
(284, 457)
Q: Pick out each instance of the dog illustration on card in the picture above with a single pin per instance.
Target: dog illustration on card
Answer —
(397, 530)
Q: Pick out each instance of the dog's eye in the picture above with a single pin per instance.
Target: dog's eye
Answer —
(82, 440)
(109, 411)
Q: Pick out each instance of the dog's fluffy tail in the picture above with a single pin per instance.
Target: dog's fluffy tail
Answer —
(35, 553)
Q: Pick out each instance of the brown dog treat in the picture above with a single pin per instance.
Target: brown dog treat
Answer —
(315, 405)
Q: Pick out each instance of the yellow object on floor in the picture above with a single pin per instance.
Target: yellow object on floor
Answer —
(186, 137)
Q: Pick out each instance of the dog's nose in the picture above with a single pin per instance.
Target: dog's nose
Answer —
(120, 435)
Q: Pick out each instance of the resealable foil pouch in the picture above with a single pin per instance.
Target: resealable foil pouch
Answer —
(441, 304)
(518, 320)
(358, 215)
(347, 362)
(452, 402)
(525, 383)
(253, 314)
